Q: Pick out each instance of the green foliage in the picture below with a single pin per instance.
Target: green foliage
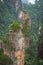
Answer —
(41, 62)
(4, 59)
(25, 11)
(1, 51)
(14, 26)
(29, 57)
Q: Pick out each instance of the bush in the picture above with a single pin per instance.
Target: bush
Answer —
(14, 27)
(1, 51)
(4, 59)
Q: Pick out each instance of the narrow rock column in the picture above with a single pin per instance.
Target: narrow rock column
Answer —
(20, 57)
(19, 53)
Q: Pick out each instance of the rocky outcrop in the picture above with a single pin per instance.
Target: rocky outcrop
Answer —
(15, 4)
(19, 42)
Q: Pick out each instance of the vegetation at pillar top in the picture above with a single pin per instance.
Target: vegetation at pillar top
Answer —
(14, 26)
(24, 11)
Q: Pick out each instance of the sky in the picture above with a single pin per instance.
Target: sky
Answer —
(27, 1)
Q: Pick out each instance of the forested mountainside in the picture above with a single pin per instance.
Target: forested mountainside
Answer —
(8, 13)
(36, 14)
(32, 11)
(25, 36)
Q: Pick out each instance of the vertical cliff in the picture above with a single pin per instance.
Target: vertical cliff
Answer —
(15, 4)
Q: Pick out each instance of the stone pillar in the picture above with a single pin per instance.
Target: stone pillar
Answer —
(20, 57)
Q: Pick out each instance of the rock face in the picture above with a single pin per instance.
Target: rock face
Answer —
(16, 4)
(40, 46)
(25, 19)
(18, 42)
(17, 39)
